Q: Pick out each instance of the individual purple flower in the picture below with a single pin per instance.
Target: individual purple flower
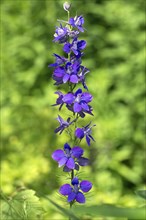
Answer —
(77, 22)
(61, 34)
(73, 34)
(81, 75)
(70, 158)
(85, 131)
(63, 124)
(79, 101)
(59, 61)
(67, 73)
(59, 100)
(75, 190)
(76, 46)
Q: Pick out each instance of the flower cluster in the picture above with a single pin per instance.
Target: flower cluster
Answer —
(68, 69)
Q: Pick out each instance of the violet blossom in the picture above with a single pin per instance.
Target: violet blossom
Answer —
(76, 190)
(70, 158)
(85, 131)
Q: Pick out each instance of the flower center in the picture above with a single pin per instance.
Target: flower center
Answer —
(60, 31)
(78, 98)
(67, 151)
(76, 188)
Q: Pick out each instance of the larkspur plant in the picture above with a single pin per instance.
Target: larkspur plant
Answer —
(68, 70)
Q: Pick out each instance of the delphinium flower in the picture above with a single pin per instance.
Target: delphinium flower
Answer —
(77, 22)
(76, 102)
(76, 190)
(85, 131)
(68, 69)
(63, 124)
(70, 158)
(76, 46)
(59, 60)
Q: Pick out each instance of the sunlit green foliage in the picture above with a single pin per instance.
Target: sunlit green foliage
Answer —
(23, 206)
(115, 56)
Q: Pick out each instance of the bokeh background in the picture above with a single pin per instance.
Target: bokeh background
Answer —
(115, 35)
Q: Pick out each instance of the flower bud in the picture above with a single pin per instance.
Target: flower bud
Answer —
(66, 6)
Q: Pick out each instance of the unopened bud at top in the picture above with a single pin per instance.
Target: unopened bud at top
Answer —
(66, 6)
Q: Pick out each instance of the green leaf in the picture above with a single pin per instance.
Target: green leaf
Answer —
(141, 193)
(110, 211)
(64, 211)
(24, 205)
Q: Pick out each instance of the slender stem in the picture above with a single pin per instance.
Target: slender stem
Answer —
(72, 174)
(71, 88)
(68, 15)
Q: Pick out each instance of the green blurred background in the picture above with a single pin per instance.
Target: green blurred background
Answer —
(115, 35)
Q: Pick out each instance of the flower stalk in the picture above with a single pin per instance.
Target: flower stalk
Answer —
(69, 70)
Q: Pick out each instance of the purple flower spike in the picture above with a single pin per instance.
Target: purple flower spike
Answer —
(77, 22)
(85, 132)
(73, 191)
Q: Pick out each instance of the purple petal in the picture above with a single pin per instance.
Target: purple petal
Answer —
(66, 48)
(77, 167)
(65, 78)
(87, 97)
(75, 181)
(60, 119)
(59, 71)
(67, 147)
(88, 140)
(70, 163)
(79, 133)
(65, 189)
(71, 21)
(77, 107)
(68, 98)
(68, 120)
(87, 126)
(62, 161)
(60, 128)
(74, 79)
(81, 44)
(75, 51)
(83, 161)
(82, 115)
(71, 196)
(85, 106)
(66, 169)
(79, 91)
(90, 136)
(77, 152)
(80, 197)
(58, 154)
(85, 185)
(81, 29)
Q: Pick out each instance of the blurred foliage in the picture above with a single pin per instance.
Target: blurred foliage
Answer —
(23, 206)
(115, 35)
